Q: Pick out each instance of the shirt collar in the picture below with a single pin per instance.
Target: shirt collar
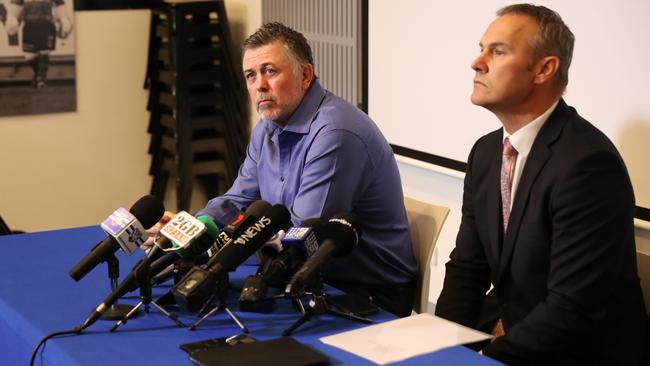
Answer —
(300, 120)
(523, 139)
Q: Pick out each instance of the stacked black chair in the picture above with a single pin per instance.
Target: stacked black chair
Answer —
(4, 228)
(197, 100)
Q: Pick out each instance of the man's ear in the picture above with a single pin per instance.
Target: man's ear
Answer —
(307, 76)
(546, 68)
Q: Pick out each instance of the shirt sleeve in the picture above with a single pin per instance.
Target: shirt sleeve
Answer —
(337, 170)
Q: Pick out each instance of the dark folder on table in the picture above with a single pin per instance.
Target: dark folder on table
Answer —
(277, 352)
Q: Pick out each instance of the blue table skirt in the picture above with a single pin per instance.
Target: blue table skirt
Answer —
(38, 297)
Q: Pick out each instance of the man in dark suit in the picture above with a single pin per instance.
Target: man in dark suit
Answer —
(547, 214)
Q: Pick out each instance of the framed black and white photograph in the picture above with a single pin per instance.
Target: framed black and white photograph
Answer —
(37, 57)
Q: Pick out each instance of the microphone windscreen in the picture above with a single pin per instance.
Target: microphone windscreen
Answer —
(243, 219)
(344, 229)
(212, 230)
(148, 210)
(317, 225)
(204, 242)
(258, 208)
(242, 247)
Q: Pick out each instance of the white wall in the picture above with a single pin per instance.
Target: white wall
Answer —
(420, 77)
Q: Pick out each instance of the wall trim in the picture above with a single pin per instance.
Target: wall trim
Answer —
(641, 216)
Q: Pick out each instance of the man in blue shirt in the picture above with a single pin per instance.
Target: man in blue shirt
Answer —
(318, 155)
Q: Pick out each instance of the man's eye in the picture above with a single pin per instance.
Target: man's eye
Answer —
(250, 77)
(270, 71)
(499, 52)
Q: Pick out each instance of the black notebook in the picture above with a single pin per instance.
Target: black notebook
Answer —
(278, 352)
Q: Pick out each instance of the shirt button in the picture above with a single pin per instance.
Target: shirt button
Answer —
(281, 179)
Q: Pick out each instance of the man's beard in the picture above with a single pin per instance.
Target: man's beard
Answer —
(279, 112)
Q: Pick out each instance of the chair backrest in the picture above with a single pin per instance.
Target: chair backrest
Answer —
(425, 221)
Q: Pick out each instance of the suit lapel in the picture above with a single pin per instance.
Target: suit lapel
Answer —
(537, 159)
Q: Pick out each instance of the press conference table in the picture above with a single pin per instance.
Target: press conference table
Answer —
(37, 297)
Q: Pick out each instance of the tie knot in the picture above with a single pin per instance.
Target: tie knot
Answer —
(508, 149)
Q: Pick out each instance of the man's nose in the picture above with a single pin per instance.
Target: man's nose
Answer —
(479, 64)
(262, 83)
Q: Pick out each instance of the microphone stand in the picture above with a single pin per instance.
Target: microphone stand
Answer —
(221, 294)
(143, 279)
(318, 305)
(116, 311)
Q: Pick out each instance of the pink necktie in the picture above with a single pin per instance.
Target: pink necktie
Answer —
(507, 171)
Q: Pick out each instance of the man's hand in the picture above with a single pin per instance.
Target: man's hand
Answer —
(153, 231)
(64, 27)
(498, 330)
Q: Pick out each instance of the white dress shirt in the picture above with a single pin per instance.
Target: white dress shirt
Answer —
(522, 141)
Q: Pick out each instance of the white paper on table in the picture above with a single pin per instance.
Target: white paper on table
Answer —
(404, 338)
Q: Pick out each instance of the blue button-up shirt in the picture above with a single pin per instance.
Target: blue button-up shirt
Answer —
(330, 158)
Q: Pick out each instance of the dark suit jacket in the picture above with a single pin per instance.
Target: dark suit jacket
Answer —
(565, 271)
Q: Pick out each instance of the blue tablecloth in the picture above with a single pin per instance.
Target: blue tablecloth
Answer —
(37, 297)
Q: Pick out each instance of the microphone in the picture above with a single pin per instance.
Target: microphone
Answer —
(272, 247)
(183, 229)
(200, 283)
(279, 264)
(298, 244)
(304, 238)
(242, 220)
(252, 213)
(255, 210)
(253, 293)
(198, 235)
(269, 252)
(166, 252)
(125, 229)
(339, 237)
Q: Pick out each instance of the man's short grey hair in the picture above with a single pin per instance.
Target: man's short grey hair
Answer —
(553, 37)
(294, 42)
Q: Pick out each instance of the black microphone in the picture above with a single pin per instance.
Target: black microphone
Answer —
(298, 244)
(164, 267)
(240, 221)
(126, 229)
(195, 243)
(269, 252)
(253, 294)
(166, 252)
(200, 283)
(339, 236)
(279, 264)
